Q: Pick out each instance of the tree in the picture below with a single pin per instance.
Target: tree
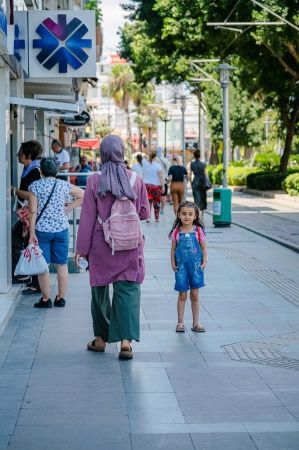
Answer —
(173, 32)
(122, 88)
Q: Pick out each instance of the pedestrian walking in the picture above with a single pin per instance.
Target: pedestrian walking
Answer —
(176, 175)
(199, 171)
(28, 155)
(137, 167)
(123, 268)
(154, 182)
(49, 226)
(164, 163)
(188, 260)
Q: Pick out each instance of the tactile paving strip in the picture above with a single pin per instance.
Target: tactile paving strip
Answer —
(265, 351)
(286, 287)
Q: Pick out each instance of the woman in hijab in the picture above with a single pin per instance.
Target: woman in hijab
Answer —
(125, 269)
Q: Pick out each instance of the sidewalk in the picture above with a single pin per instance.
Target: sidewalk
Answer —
(234, 387)
(275, 218)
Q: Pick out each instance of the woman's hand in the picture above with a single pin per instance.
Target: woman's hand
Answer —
(203, 264)
(33, 239)
(77, 257)
(68, 208)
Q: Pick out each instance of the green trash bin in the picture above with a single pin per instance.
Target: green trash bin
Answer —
(222, 207)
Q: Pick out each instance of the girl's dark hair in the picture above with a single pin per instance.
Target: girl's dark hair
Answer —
(197, 154)
(152, 156)
(49, 167)
(139, 159)
(31, 149)
(197, 221)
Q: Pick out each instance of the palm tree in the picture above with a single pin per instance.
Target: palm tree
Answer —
(122, 87)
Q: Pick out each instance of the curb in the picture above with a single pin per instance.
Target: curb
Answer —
(8, 303)
(286, 244)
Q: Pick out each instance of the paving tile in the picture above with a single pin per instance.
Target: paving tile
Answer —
(136, 379)
(4, 440)
(219, 441)
(161, 442)
(276, 441)
(71, 437)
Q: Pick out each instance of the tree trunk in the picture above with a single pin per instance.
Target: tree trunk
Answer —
(129, 132)
(291, 124)
(214, 156)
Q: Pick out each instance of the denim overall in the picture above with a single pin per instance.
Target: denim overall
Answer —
(188, 256)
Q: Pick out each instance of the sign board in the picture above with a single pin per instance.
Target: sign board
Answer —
(21, 39)
(78, 120)
(61, 44)
(3, 28)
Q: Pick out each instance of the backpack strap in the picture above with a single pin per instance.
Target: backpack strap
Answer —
(175, 234)
(132, 182)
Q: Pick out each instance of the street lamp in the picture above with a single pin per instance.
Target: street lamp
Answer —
(150, 126)
(225, 70)
(183, 109)
(165, 118)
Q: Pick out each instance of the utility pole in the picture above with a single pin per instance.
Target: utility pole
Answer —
(183, 109)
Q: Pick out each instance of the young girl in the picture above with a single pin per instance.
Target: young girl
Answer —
(188, 260)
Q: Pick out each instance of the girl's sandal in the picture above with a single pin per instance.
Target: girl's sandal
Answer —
(198, 328)
(180, 328)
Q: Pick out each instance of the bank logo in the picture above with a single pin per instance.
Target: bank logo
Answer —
(62, 43)
(19, 44)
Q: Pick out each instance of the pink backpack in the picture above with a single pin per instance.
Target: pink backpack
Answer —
(122, 229)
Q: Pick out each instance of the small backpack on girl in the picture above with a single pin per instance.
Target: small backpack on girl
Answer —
(122, 229)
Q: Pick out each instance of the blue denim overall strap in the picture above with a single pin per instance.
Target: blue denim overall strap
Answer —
(188, 248)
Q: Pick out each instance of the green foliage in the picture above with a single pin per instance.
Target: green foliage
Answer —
(267, 161)
(95, 5)
(168, 34)
(294, 160)
(291, 184)
(236, 176)
(265, 181)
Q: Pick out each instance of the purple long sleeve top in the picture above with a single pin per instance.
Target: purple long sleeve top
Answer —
(105, 268)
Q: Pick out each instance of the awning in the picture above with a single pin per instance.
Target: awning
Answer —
(87, 144)
(32, 103)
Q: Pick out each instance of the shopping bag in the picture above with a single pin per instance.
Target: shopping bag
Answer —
(31, 262)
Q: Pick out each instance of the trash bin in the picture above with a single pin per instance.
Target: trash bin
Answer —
(222, 207)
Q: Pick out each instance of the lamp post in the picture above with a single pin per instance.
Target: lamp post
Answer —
(222, 210)
(150, 126)
(165, 118)
(183, 109)
(225, 70)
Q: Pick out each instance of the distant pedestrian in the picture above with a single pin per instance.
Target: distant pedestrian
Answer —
(188, 260)
(122, 268)
(199, 171)
(137, 167)
(49, 226)
(176, 175)
(62, 157)
(86, 168)
(154, 182)
(164, 163)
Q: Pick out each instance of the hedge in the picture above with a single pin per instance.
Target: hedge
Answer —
(291, 184)
(236, 176)
(268, 180)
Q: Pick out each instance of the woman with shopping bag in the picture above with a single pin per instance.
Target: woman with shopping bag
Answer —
(28, 155)
(49, 226)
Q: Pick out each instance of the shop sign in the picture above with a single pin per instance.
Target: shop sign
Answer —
(57, 43)
(78, 120)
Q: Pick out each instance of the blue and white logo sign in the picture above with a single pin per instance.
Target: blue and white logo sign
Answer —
(62, 44)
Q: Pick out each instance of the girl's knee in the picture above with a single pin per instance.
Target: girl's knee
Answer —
(182, 296)
(194, 296)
